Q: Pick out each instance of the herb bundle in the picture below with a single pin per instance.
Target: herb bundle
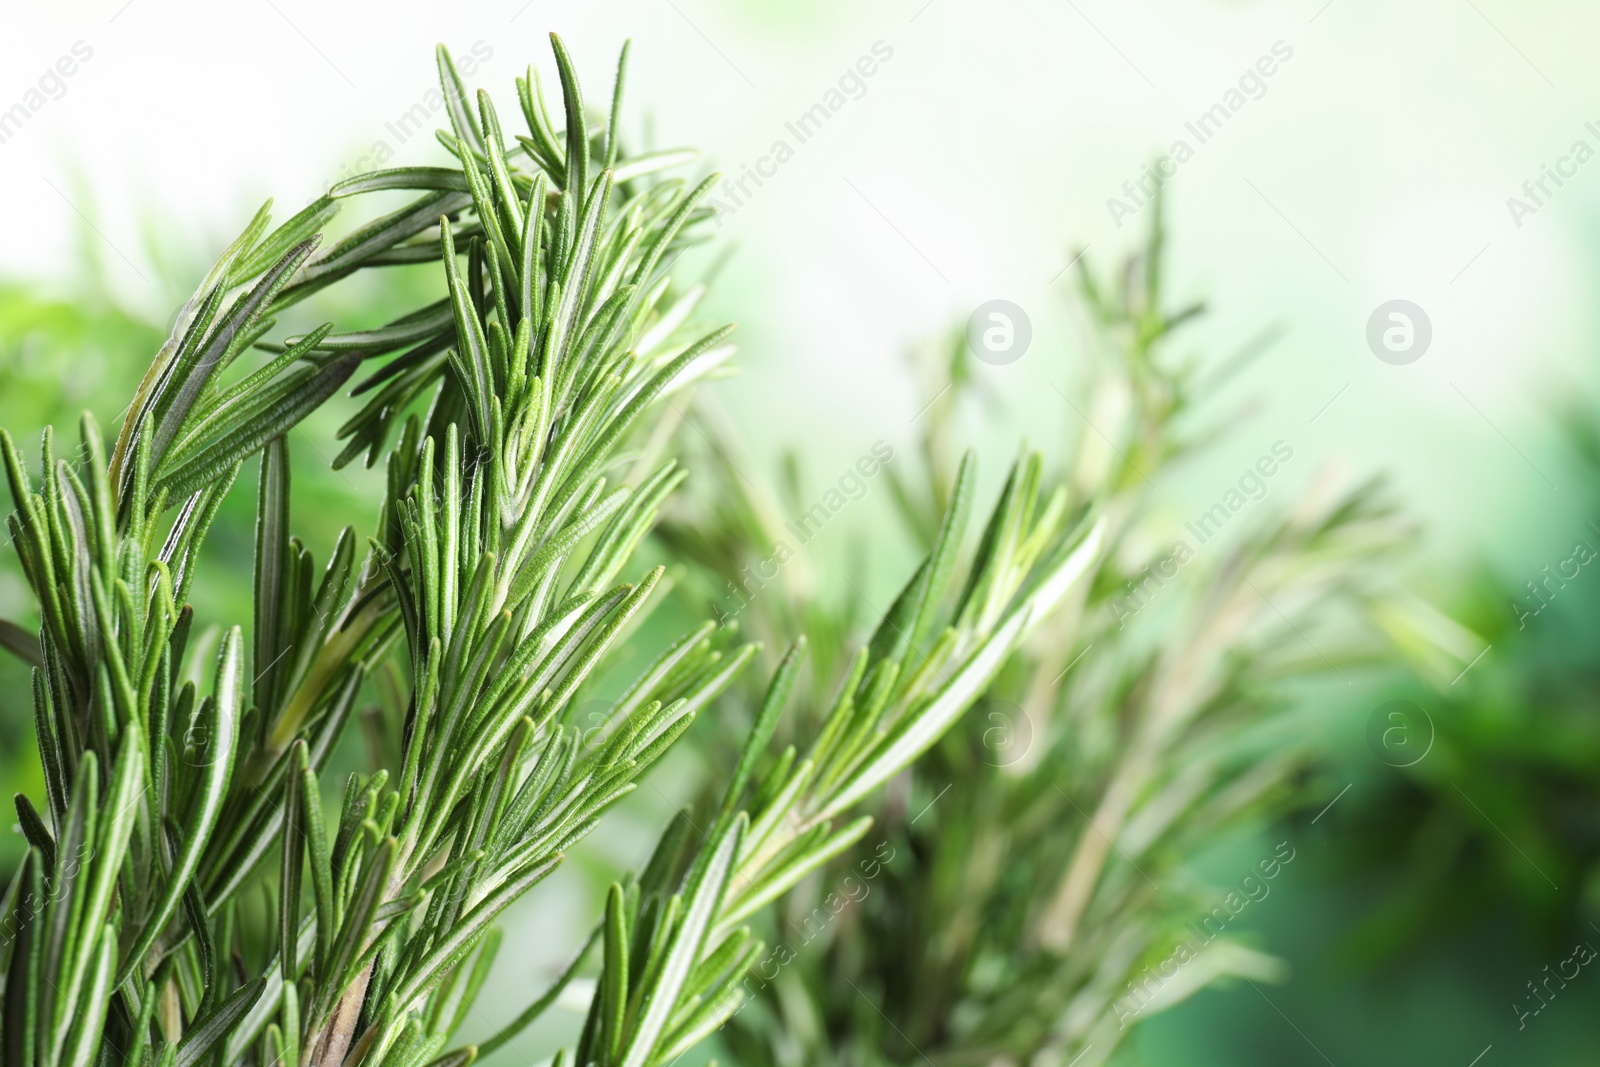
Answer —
(522, 420)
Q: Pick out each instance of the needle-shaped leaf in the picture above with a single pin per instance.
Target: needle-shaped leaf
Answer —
(783, 682)
(277, 409)
(220, 728)
(532, 1012)
(34, 830)
(417, 178)
(577, 177)
(207, 1032)
(293, 856)
(660, 998)
(20, 643)
(455, 98)
(356, 927)
(272, 548)
(651, 163)
(83, 1041)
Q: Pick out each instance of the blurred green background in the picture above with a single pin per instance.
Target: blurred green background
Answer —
(974, 164)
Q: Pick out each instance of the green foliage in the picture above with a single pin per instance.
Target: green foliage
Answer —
(1498, 816)
(54, 356)
(1008, 907)
(524, 405)
(903, 693)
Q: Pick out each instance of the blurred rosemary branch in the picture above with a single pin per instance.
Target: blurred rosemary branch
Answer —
(1027, 897)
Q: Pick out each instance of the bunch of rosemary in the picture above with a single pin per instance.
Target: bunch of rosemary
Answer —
(522, 419)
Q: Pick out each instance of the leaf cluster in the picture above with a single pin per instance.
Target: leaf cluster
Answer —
(521, 417)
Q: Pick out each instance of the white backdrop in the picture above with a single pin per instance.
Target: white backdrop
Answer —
(1374, 163)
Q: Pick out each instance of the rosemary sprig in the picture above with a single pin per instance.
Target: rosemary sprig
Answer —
(492, 590)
